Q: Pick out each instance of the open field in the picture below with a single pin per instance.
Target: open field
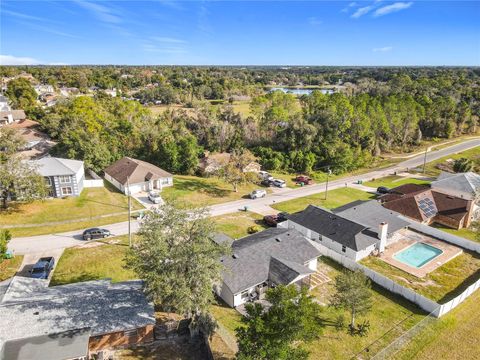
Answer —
(9, 267)
(440, 285)
(235, 225)
(92, 202)
(335, 198)
(394, 181)
(453, 336)
(199, 191)
(100, 260)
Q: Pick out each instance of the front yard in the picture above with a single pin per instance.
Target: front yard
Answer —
(440, 285)
(97, 260)
(336, 198)
(394, 181)
(235, 225)
(9, 267)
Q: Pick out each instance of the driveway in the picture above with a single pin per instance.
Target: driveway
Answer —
(30, 259)
(142, 198)
(39, 243)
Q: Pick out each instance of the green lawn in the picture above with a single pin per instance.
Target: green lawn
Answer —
(440, 285)
(389, 314)
(453, 336)
(107, 260)
(9, 267)
(235, 225)
(394, 181)
(469, 234)
(473, 154)
(336, 198)
(199, 191)
(92, 202)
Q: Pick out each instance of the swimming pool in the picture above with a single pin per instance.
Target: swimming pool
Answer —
(417, 254)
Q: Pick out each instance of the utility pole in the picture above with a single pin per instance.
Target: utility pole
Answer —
(326, 185)
(129, 213)
(425, 159)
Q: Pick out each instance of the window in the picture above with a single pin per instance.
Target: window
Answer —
(67, 191)
(64, 179)
(244, 295)
(165, 181)
(344, 248)
(48, 181)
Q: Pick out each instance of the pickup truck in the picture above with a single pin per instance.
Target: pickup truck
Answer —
(43, 267)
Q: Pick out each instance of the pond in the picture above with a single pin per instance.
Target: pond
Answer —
(300, 92)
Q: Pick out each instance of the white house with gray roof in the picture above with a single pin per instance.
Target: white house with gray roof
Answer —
(65, 177)
(275, 256)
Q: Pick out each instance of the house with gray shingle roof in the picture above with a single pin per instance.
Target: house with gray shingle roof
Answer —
(275, 256)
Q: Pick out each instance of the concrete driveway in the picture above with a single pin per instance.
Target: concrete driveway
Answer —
(30, 259)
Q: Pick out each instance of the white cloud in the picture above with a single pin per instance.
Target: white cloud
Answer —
(21, 15)
(20, 60)
(314, 21)
(383, 49)
(101, 12)
(392, 8)
(163, 39)
(361, 11)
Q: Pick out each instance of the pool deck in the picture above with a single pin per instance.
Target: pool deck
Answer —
(407, 238)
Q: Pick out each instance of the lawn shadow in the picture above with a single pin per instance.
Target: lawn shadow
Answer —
(75, 279)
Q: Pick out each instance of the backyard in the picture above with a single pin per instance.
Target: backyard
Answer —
(236, 225)
(336, 198)
(440, 285)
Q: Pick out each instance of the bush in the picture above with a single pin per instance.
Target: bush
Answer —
(253, 229)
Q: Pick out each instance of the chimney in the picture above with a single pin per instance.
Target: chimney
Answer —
(382, 235)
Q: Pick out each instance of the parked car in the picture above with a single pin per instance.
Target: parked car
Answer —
(273, 220)
(154, 197)
(383, 190)
(95, 233)
(303, 179)
(259, 193)
(266, 183)
(42, 268)
(265, 175)
(279, 183)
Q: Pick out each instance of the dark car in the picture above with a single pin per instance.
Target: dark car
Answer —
(273, 220)
(43, 267)
(303, 179)
(95, 233)
(383, 190)
(266, 183)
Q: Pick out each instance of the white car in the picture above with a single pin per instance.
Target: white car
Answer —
(264, 175)
(279, 183)
(259, 193)
(154, 197)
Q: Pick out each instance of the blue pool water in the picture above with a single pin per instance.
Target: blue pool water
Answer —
(417, 255)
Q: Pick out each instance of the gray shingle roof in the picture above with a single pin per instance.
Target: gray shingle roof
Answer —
(468, 182)
(250, 263)
(371, 214)
(99, 305)
(51, 166)
(284, 272)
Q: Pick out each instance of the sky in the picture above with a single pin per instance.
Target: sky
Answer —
(240, 32)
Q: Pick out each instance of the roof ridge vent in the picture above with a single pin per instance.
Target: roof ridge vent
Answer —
(235, 256)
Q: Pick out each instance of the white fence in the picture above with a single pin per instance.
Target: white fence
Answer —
(93, 180)
(424, 303)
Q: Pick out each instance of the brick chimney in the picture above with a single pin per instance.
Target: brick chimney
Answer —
(382, 235)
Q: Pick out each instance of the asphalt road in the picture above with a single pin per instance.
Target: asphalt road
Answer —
(42, 243)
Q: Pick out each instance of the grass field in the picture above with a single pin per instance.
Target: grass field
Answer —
(440, 285)
(336, 198)
(473, 154)
(91, 202)
(104, 259)
(394, 181)
(9, 267)
(235, 225)
(453, 336)
(198, 191)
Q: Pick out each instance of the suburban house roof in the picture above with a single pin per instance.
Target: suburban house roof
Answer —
(350, 233)
(221, 238)
(16, 115)
(371, 213)
(422, 203)
(30, 308)
(251, 261)
(137, 171)
(468, 182)
(66, 345)
(52, 166)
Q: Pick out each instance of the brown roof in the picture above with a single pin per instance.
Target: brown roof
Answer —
(16, 114)
(137, 171)
(421, 203)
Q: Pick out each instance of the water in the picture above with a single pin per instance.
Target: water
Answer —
(417, 255)
(300, 92)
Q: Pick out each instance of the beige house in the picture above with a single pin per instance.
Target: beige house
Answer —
(137, 176)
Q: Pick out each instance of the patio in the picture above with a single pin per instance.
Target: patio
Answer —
(406, 238)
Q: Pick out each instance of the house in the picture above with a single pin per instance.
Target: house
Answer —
(72, 321)
(4, 105)
(65, 177)
(462, 185)
(138, 174)
(37, 143)
(213, 162)
(428, 206)
(267, 258)
(44, 89)
(11, 116)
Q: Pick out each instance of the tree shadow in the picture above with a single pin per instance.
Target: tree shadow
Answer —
(201, 186)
